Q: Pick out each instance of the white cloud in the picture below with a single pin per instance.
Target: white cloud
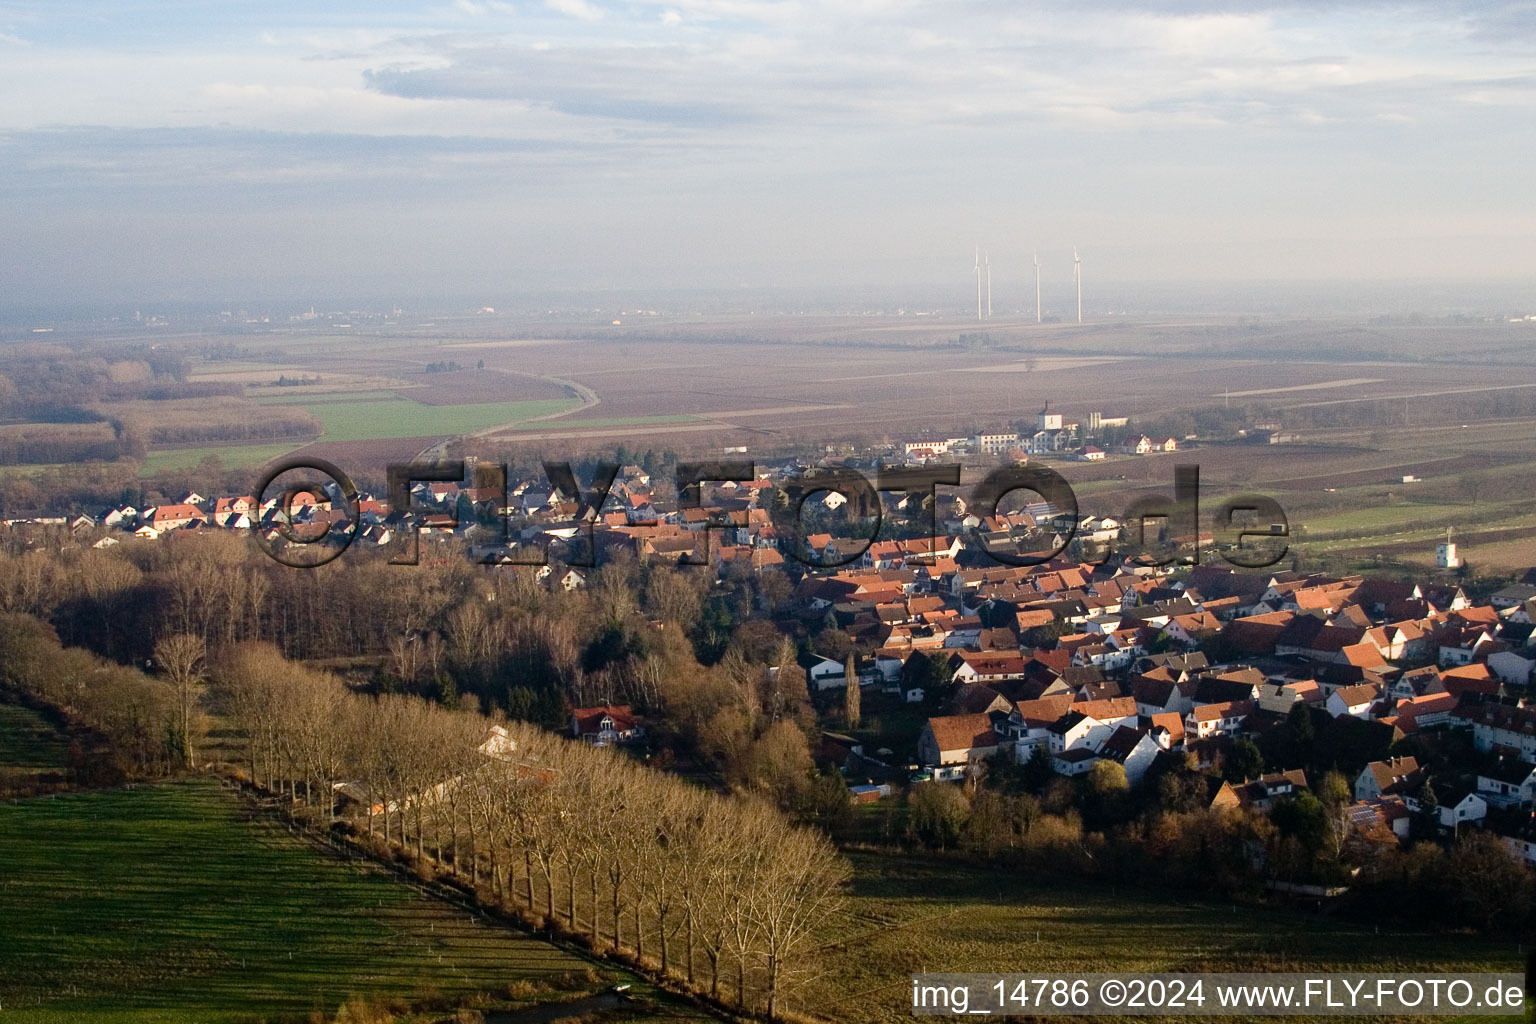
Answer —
(581, 9)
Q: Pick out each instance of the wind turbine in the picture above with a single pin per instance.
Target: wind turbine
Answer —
(987, 262)
(1037, 287)
(978, 282)
(1077, 275)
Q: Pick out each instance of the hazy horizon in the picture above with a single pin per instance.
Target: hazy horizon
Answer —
(185, 152)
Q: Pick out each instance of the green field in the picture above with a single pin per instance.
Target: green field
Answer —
(912, 914)
(401, 417)
(306, 396)
(27, 740)
(240, 456)
(1388, 517)
(163, 904)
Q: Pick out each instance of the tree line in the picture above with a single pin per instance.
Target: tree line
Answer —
(722, 893)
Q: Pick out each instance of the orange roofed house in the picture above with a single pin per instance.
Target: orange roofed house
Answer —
(951, 743)
(606, 724)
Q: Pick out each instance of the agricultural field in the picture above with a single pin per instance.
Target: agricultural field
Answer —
(165, 904)
(400, 417)
(912, 914)
(242, 456)
(1450, 402)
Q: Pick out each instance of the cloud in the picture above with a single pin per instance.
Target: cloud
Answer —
(581, 9)
(1101, 121)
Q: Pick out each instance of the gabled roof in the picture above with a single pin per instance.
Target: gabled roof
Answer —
(1171, 721)
(1122, 742)
(963, 732)
(1106, 710)
(1216, 712)
(1396, 775)
(1509, 770)
(1042, 711)
(1358, 695)
(589, 720)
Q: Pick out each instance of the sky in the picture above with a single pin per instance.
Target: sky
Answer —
(213, 149)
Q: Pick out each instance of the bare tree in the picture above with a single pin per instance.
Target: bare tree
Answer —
(802, 887)
(181, 659)
(851, 695)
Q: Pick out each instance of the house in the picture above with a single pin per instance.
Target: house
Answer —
(1075, 730)
(951, 743)
(1133, 748)
(1386, 817)
(172, 517)
(825, 673)
(1398, 776)
(1075, 761)
(1030, 721)
(1209, 720)
(1511, 668)
(986, 666)
(977, 699)
(607, 724)
(498, 744)
(1508, 782)
(1460, 804)
(227, 509)
(1353, 700)
(1518, 836)
(1260, 794)
(1500, 727)
(1426, 712)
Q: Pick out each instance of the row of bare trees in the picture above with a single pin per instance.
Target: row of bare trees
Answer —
(723, 894)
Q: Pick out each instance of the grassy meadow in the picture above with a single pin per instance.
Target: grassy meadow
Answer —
(914, 914)
(164, 905)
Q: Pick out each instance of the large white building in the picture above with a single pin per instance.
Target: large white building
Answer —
(995, 444)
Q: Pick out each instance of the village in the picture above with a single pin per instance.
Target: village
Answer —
(1077, 661)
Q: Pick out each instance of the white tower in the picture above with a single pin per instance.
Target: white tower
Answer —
(987, 262)
(1077, 275)
(1445, 553)
(1037, 287)
(978, 282)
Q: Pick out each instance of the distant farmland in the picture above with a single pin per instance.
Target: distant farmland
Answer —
(1451, 403)
(400, 417)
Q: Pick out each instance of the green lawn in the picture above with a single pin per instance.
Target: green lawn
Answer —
(241, 456)
(401, 417)
(912, 914)
(27, 740)
(163, 904)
